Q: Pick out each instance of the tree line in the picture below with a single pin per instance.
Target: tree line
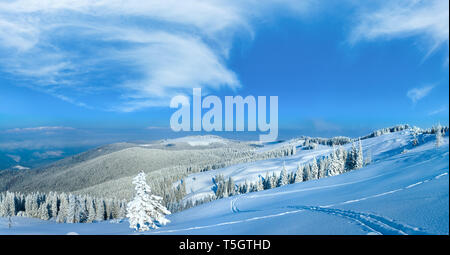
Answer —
(61, 207)
(338, 162)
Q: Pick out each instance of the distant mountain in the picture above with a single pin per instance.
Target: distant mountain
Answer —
(33, 158)
(106, 170)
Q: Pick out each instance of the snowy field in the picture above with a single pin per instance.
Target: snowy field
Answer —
(201, 184)
(399, 193)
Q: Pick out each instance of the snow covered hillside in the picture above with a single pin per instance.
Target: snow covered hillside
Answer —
(378, 148)
(204, 140)
(403, 191)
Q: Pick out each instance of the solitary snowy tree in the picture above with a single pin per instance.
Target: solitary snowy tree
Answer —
(438, 134)
(145, 211)
(359, 156)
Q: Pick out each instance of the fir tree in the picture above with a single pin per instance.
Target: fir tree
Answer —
(322, 168)
(298, 174)
(43, 211)
(259, 185)
(273, 180)
(351, 158)
(306, 173)
(145, 211)
(267, 182)
(314, 169)
(100, 210)
(283, 179)
(231, 187)
(70, 210)
(91, 210)
(63, 208)
(53, 205)
(438, 134)
(359, 156)
(336, 165)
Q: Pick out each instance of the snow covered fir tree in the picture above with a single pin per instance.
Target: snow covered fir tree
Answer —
(61, 207)
(145, 211)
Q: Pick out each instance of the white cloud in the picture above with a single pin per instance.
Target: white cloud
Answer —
(48, 154)
(158, 48)
(416, 94)
(156, 128)
(18, 35)
(140, 53)
(440, 110)
(395, 19)
(174, 63)
(16, 158)
(38, 129)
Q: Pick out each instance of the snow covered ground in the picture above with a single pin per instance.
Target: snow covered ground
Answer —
(204, 140)
(201, 184)
(399, 193)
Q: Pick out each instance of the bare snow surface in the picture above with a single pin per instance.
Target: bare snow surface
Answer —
(19, 167)
(201, 140)
(400, 192)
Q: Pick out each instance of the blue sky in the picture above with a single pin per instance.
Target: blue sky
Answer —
(338, 68)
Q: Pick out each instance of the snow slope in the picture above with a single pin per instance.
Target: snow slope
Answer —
(399, 193)
(201, 140)
(201, 184)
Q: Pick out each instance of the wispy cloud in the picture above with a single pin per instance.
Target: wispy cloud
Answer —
(16, 158)
(38, 129)
(443, 109)
(156, 128)
(428, 19)
(48, 154)
(139, 53)
(416, 94)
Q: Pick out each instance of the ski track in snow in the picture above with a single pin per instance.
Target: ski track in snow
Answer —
(375, 224)
(231, 222)
(234, 208)
(388, 192)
